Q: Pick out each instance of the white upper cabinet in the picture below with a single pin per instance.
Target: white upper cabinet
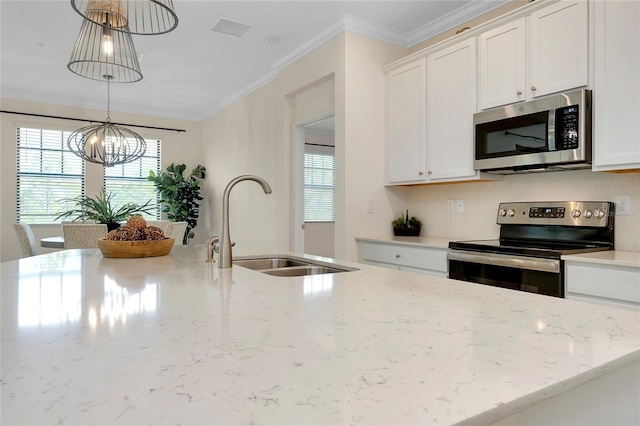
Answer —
(406, 123)
(616, 95)
(553, 58)
(559, 47)
(502, 65)
(451, 103)
(430, 107)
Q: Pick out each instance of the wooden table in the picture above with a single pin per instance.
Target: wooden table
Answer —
(52, 242)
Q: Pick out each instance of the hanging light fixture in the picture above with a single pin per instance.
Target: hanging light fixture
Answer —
(130, 16)
(100, 53)
(107, 144)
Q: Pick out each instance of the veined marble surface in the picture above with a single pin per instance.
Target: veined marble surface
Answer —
(174, 340)
(609, 257)
(433, 242)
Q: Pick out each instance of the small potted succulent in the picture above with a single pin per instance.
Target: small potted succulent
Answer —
(406, 226)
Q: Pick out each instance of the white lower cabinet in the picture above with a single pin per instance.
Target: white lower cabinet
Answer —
(426, 260)
(609, 285)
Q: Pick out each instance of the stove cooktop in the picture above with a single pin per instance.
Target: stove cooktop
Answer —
(526, 248)
(549, 229)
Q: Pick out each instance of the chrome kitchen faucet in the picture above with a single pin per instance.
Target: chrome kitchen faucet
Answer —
(225, 255)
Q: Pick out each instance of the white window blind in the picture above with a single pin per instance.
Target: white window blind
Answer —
(128, 182)
(47, 173)
(319, 186)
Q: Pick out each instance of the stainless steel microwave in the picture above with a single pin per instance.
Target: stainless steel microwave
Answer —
(548, 134)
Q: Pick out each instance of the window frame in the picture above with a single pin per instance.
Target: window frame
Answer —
(142, 177)
(20, 176)
(326, 150)
(93, 175)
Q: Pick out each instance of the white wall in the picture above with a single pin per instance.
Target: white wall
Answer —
(243, 139)
(364, 147)
(176, 147)
(353, 62)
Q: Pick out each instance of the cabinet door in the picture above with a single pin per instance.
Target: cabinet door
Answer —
(502, 65)
(616, 95)
(451, 101)
(406, 123)
(559, 48)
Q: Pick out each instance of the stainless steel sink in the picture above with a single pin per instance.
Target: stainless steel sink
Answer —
(287, 266)
(268, 263)
(299, 271)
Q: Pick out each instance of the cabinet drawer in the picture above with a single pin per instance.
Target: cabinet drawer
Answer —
(415, 257)
(618, 283)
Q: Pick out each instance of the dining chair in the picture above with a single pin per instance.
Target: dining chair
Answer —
(26, 238)
(176, 231)
(83, 235)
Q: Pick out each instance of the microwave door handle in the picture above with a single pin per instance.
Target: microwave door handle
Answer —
(551, 131)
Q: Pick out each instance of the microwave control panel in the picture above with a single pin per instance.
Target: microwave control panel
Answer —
(567, 127)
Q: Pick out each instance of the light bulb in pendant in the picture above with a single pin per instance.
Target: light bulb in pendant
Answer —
(107, 42)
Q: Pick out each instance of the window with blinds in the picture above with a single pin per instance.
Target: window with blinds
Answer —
(128, 182)
(319, 187)
(47, 173)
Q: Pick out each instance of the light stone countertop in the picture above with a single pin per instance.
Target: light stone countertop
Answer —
(610, 257)
(174, 340)
(432, 242)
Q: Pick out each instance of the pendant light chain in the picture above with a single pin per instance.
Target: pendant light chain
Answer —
(108, 99)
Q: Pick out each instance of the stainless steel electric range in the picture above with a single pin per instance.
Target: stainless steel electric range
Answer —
(533, 238)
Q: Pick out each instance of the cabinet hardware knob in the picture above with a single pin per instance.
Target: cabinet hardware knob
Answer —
(430, 172)
(420, 173)
(533, 88)
(519, 92)
(397, 256)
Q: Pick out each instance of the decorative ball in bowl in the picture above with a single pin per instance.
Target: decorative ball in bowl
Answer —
(136, 248)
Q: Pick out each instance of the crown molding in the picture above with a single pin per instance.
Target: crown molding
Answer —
(229, 100)
(453, 19)
(357, 25)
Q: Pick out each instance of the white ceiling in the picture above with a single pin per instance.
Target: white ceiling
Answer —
(192, 72)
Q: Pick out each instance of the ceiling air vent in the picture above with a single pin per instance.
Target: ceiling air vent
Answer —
(233, 28)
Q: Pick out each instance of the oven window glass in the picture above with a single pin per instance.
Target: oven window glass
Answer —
(548, 283)
(512, 136)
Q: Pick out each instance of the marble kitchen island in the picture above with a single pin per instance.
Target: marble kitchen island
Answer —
(174, 340)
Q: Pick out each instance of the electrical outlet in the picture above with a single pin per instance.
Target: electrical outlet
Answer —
(623, 205)
(369, 206)
(451, 207)
(460, 206)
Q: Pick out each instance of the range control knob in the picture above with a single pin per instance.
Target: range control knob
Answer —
(588, 213)
(575, 213)
(502, 212)
(511, 213)
(599, 213)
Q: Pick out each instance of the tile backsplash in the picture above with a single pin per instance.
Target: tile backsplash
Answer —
(481, 199)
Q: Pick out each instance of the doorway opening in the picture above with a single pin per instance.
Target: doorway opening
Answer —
(314, 185)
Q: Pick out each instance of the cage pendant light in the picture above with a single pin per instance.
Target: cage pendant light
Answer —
(107, 144)
(131, 16)
(104, 55)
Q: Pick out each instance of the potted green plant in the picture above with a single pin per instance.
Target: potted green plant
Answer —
(406, 226)
(100, 209)
(180, 195)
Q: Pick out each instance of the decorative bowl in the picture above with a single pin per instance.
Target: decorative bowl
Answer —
(139, 248)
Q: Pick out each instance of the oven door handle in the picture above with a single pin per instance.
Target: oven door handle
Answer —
(520, 262)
